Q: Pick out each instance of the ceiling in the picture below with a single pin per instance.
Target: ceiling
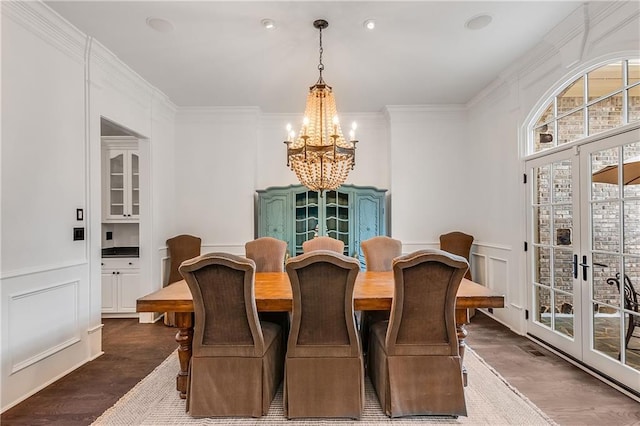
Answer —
(219, 53)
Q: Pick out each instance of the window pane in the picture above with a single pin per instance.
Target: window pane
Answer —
(605, 115)
(562, 182)
(605, 289)
(631, 169)
(564, 317)
(632, 227)
(543, 137)
(604, 166)
(543, 219)
(543, 132)
(604, 80)
(571, 127)
(633, 70)
(634, 103)
(572, 97)
(543, 180)
(606, 226)
(543, 299)
(606, 333)
(543, 273)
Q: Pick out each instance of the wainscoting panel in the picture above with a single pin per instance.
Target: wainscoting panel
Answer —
(43, 322)
(46, 329)
(478, 267)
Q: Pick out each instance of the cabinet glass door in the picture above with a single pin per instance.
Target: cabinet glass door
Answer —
(336, 213)
(307, 217)
(135, 185)
(116, 185)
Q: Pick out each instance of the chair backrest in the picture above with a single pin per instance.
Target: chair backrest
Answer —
(181, 248)
(322, 322)
(459, 244)
(226, 318)
(323, 243)
(422, 320)
(268, 253)
(380, 251)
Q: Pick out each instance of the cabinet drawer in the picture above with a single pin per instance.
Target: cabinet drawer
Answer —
(121, 263)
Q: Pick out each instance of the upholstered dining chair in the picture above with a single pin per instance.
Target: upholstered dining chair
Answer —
(324, 370)
(379, 253)
(414, 360)
(237, 361)
(323, 243)
(268, 253)
(459, 244)
(180, 248)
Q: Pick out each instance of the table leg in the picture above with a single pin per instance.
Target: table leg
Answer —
(462, 318)
(184, 337)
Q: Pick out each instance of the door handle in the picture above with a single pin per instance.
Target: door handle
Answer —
(584, 268)
(575, 266)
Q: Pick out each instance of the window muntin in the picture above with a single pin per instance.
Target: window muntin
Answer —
(601, 99)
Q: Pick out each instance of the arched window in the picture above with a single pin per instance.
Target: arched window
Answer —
(600, 99)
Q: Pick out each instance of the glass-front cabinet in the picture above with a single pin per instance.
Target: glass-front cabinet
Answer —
(121, 179)
(294, 214)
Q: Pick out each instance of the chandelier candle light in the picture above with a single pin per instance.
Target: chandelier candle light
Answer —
(320, 156)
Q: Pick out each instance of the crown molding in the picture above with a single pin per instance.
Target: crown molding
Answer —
(548, 54)
(46, 24)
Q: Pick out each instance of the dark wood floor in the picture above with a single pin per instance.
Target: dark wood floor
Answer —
(567, 394)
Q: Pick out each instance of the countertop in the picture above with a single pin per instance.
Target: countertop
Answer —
(121, 252)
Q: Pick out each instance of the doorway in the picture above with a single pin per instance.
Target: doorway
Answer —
(584, 229)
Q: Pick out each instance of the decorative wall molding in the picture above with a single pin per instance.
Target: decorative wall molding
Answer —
(41, 269)
(59, 330)
(561, 42)
(111, 71)
(45, 23)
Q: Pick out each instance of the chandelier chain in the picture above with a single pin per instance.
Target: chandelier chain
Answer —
(320, 64)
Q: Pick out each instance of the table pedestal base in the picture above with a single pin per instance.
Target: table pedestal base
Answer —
(184, 337)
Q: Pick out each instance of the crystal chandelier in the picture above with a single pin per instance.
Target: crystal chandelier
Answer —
(320, 156)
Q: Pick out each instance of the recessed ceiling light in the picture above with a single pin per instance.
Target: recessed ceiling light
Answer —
(268, 23)
(369, 24)
(160, 24)
(478, 22)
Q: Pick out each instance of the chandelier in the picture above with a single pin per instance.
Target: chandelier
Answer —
(320, 156)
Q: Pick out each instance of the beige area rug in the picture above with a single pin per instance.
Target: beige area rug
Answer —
(490, 401)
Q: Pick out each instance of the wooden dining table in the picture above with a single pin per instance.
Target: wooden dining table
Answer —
(373, 291)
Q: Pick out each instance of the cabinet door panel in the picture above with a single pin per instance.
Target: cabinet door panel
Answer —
(108, 292)
(128, 291)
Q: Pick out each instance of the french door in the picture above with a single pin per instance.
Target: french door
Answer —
(584, 234)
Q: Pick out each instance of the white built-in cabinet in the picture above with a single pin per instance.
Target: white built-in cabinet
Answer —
(120, 179)
(120, 286)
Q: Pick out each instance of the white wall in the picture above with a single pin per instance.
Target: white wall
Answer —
(429, 173)
(57, 83)
(44, 292)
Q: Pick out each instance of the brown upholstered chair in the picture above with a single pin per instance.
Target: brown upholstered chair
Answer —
(237, 361)
(459, 244)
(268, 253)
(181, 248)
(379, 253)
(324, 370)
(323, 243)
(414, 360)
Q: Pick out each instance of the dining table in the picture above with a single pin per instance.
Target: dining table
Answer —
(373, 291)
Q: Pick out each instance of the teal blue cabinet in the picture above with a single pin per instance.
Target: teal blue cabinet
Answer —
(294, 214)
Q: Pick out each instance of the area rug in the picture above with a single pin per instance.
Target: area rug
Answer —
(490, 401)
